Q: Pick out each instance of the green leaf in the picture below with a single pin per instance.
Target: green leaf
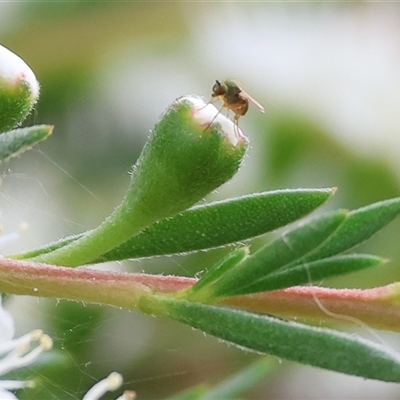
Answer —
(254, 274)
(221, 223)
(193, 393)
(225, 264)
(318, 347)
(282, 251)
(309, 272)
(232, 386)
(359, 226)
(241, 381)
(212, 225)
(15, 142)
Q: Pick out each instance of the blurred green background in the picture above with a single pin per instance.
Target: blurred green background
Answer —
(328, 76)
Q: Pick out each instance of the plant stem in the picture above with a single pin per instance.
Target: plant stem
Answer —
(378, 307)
(124, 222)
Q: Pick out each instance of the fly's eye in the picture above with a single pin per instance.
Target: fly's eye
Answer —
(217, 89)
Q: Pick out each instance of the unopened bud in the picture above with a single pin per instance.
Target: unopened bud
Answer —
(19, 89)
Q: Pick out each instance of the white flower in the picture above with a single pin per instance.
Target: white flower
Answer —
(6, 238)
(109, 384)
(21, 352)
(18, 353)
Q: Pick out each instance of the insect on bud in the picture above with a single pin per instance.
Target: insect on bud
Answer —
(19, 89)
(191, 152)
(233, 97)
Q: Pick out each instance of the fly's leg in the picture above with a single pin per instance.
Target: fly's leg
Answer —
(212, 101)
(236, 125)
(216, 115)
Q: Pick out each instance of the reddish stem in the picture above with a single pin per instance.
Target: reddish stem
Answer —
(378, 307)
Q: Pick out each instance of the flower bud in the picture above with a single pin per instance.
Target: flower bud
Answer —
(19, 89)
(192, 151)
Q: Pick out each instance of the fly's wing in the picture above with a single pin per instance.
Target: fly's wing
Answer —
(245, 95)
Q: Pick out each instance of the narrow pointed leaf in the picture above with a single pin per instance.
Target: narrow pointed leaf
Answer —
(221, 267)
(221, 223)
(309, 272)
(212, 225)
(15, 142)
(318, 347)
(282, 251)
(359, 226)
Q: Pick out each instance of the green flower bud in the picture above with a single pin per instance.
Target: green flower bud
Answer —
(192, 151)
(185, 159)
(19, 89)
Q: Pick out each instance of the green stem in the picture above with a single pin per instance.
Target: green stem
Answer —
(125, 222)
